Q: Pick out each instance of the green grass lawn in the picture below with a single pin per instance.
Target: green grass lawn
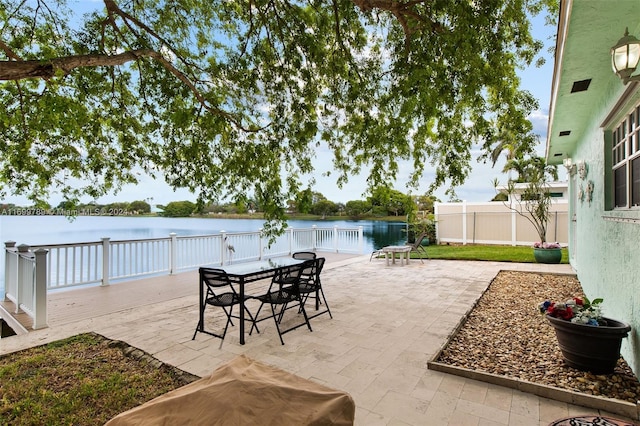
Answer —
(485, 252)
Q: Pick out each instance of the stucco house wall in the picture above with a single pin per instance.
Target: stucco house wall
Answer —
(604, 240)
(607, 252)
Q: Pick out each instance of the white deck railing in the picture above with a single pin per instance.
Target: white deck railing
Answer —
(31, 271)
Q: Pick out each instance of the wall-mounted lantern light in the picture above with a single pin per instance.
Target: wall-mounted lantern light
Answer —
(569, 165)
(625, 56)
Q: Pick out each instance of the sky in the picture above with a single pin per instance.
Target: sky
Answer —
(478, 186)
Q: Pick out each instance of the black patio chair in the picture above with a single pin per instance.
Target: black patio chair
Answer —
(311, 287)
(219, 293)
(283, 293)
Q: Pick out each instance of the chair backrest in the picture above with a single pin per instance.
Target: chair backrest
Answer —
(291, 275)
(214, 277)
(304, 255)
(311, 273)
(418, 242)
(319, 265)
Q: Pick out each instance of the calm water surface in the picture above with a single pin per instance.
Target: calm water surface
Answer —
(40, 230)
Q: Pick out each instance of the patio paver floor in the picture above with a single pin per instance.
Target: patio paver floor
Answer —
(388, 321)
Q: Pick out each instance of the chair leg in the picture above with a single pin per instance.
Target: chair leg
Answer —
(275, 320)
(319, 292)
(200, 326)
(226, 326)
(306, 318)
(255, 319)
(326, 304)
(252, 319)
(197, 329)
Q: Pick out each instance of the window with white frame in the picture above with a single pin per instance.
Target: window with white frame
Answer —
(626, 161)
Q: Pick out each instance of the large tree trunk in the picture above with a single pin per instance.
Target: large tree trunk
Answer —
(18, 70)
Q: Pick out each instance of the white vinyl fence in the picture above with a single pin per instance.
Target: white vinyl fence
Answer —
(495, 223)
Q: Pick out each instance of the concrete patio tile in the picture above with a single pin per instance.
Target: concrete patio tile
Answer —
(399, 378)
(370, 397)
(203, 365)
(498, 397)
(483, 411)
(576, 410)
(368, 418)
(551, 410)
(460, 418)
(441, 408)
(526, 405)
(452, 385)
(486, 422)
(359, 385)
(518, 420)
(428, 385)
(357, 369)
(396, 405)
(474, 391)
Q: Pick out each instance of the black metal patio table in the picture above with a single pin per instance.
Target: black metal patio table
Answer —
(242, 273)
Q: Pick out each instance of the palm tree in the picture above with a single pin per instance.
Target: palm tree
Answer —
(531, 168)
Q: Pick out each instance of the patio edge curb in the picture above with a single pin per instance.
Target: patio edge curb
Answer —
(627, 409)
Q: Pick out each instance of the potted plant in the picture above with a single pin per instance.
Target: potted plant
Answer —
(588, 341)
(532, 200)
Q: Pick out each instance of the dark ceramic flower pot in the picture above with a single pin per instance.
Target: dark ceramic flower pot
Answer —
(550, 255)
(590, 348)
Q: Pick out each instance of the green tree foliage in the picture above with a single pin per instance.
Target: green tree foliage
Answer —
(529, 195)
(179, 209)
(140, 206)
(355, 208)
(425, 202)
(530, 168)
(304, 201)
(324, 207)
(385, 201)
(229, 98)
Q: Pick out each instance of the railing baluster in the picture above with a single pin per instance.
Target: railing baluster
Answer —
(101, 262)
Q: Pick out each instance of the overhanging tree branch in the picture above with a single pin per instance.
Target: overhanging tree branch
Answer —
(19, 70)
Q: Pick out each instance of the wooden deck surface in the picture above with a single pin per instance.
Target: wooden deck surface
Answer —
(76, 304)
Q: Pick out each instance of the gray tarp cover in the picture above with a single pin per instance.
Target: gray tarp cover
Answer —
(245, 392)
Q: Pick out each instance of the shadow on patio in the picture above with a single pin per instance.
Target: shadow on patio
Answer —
(388, 322)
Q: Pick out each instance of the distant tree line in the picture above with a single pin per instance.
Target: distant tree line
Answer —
(382, 202)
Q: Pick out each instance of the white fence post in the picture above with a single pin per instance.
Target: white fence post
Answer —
(314, 237)
(173, 252)
(514, 228)
(40, 291)
(335, 238)
(260, 245)
(24, 275)
(464, 222)
(360, 239)
(10, 269)
(435, 216)
(223, 247)
(105, 261)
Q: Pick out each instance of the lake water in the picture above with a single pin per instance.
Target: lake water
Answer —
(40, 230)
